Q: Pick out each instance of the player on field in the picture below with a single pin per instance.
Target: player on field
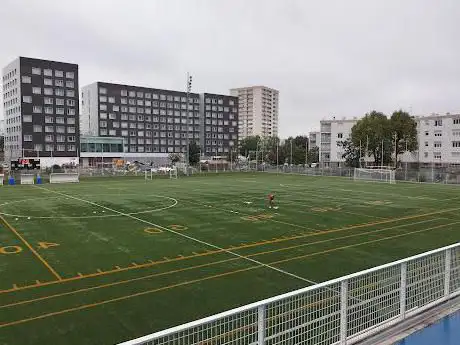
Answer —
(271, 200)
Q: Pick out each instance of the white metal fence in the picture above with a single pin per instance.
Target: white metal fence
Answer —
(340, 311)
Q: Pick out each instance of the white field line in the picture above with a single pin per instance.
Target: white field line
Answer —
(182, 235)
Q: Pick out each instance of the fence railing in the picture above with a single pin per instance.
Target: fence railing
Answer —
(340, 311)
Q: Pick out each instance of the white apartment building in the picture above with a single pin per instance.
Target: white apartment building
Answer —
(258, 111)
(438, 140)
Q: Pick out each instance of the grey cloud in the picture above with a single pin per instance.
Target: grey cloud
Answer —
(327, 58)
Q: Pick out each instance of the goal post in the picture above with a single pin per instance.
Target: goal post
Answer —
(173, 173)
(2, 178)
(378, 174)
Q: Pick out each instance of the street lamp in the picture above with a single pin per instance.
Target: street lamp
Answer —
(188, 89)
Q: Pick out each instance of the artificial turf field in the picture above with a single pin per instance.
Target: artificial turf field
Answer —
(110, 259)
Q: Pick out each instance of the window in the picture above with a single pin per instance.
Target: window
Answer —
(26, 79)
(70, 93)
(124, 133)
(103, 99)
(60, 120)
(103, 123)
(48, 91)
(49, 147)
(27, 118)
(132, 93)
(38, 147)
(438, 134)
(59, 82)
(112, 132)
(456, 121)
(48, 82)
(60, 138)
(70, 111)
(115, 124)
(71, 130)
(60, 147)
(37, 109)
(49, 119)
(124, 101)
(437, 144)
(111, 99)
(48, 72)
(37, 128)
(427, 133)
(49, 129)
(124, 125)
(48, 110)
(455, 143)
(48, 100)
(69, 83)
(27, 137)
(59, 101)
(59, 92)
(60, 111)
(437, 155)
(102, 106)
(115, 108)
(124, 93)
(36, 71)
(49, 138)
(70, 120)
(27, 99)
(58, 74)
(70, 103)
(69, 75)
(437, 123)
(112, 116)
(426, 154)
(37, 90)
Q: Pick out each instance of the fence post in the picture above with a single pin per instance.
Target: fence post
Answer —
(447, 263)
(343, 311)
(261, 325)
(402, 291)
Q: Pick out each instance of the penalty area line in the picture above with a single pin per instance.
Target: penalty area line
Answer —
(181, 235)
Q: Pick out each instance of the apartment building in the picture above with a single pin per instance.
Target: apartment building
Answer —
(258, 111)
(41, 107)
(157, 122)
(313, 139)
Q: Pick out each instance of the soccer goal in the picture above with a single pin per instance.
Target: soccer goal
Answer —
(173, 173)
(64, 178)
(149, 174)
(2, 177)
(379, 174)
(27, 179)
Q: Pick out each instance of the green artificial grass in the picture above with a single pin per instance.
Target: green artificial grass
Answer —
(111, 259)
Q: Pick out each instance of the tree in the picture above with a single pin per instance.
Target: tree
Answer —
(404, 129)
(313, 155)
(351, 153)
(373, 134)
(174, 157)
(193, 153)
(249, 144)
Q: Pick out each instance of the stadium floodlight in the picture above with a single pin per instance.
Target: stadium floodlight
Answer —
(377, 174)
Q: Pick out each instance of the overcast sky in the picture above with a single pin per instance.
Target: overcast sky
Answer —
(327, 58)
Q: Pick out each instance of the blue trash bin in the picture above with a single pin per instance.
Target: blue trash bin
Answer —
(39, 179)
(11, 181)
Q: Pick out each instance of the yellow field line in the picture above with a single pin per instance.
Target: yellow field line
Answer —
(194, 267)
(256, 244)
(28, 245)
(121, 298)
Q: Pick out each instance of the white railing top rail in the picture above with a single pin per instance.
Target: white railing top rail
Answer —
(270, 300)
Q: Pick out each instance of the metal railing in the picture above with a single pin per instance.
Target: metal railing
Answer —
(340, 311)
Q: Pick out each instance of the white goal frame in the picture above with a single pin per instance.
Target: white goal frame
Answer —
(2, 177)
(148, 174)
(27, 179)
(173, 173)
(378, 174)
(64, 178)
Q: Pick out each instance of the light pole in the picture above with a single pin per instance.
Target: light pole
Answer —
(188, 89)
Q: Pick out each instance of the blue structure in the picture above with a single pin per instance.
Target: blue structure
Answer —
(444, 332)
(11, 181)
(39, 179)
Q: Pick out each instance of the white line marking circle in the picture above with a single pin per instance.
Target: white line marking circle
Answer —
(173, 204)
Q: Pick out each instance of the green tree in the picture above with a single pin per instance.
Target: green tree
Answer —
(373, 134)
(193, 153)
(313, 155)
(351, 153)
(249, 144)
(404, 129)
(174, 157)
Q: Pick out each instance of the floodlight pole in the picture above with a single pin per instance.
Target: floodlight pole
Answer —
(187, 155)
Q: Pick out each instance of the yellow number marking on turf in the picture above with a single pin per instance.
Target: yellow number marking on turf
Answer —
(153, 231)
(178, 227)
(325, 209)
(10, 250)
(46, 245)
(257, 217)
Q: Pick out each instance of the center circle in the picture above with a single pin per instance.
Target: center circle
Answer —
(172, 203)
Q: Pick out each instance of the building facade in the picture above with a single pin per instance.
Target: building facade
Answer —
(41, 109)
(157, 122)
(258, 111)
(313, 140)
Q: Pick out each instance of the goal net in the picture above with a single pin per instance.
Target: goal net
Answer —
(173, 173)
(377, 175)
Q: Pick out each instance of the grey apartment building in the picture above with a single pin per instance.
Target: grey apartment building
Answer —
(156, 122)
(41, 108)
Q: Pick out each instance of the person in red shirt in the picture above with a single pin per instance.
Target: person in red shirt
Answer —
(271, 200)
